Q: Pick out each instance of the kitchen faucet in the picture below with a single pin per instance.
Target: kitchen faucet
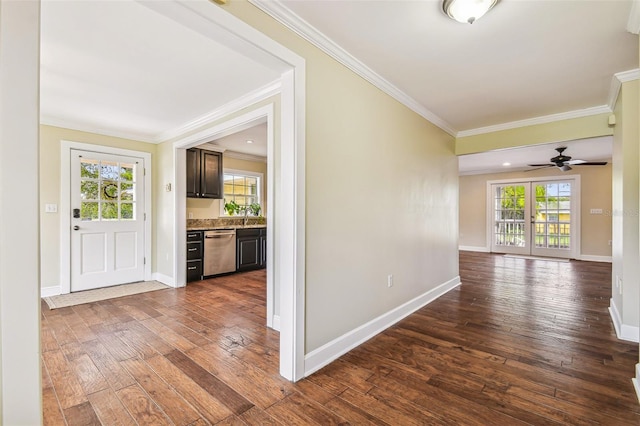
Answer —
(246, 210)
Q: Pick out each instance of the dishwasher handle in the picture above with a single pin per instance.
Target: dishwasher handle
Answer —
(219, 235)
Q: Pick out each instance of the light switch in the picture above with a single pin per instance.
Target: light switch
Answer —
(51, 208)
(596, 211)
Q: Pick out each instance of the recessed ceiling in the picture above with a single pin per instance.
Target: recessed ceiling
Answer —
(237, 142)
(122, 69)
(592, 149)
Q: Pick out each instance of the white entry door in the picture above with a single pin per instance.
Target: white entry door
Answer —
(107, 220)
(534, 218)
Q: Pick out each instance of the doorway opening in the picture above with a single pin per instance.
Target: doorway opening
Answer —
(538, 217)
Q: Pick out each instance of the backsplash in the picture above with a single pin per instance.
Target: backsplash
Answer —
(225, 222)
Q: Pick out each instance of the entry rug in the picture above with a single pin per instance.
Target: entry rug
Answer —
(552, 259)
(89, 296)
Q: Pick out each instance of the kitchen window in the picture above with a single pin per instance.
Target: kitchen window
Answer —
(244, 188)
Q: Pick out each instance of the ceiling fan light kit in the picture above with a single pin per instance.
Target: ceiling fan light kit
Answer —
(564, 162)
(467, 11)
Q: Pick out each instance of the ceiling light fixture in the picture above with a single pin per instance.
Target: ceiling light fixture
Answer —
(506, 164)
(249, 141)
(467, 11)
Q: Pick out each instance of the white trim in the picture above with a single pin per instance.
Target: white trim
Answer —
(65, 204)
(164, 279)
(593, 258)
(474, 248)
(635, 380)
(616, 84)
(587, 112)
(209, 118)
(623, 331)
(633, 23)
(49, 291)
(275, 322)
(301, 27)
(84, 127)
(327, 353)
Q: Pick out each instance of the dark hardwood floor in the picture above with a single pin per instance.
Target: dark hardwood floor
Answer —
(519, 342)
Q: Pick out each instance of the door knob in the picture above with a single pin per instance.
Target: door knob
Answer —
(76, 227)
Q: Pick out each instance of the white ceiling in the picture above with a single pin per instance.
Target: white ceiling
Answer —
(237, 142)
(119, 68)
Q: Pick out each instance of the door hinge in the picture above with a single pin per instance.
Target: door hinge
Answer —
(145, 216)
(144, 172)
(144, 260)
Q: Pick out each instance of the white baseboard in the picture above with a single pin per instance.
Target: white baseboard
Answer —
(635, 380)
(164, 279)
(590, 258)
(626, 332)
(50, 291)
(329, 352)
(276, 322)
(474, 248)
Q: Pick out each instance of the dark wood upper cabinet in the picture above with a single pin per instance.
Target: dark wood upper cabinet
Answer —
(204, 174)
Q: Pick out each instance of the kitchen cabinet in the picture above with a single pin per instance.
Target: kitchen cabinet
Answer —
(204, 174)
(194, 255)
(251, 249)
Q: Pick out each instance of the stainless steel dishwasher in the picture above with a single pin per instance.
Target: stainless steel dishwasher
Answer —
(219, 251)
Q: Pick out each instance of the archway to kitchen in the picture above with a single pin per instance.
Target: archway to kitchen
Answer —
(255, 117)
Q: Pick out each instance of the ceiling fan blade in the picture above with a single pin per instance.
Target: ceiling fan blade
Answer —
(539, 166)
(565, 167)
(593, 163)
(575, 162)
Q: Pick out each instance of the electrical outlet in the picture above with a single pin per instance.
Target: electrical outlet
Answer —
(190, 215)
(390, 280)
(596, 211)
(51, 208)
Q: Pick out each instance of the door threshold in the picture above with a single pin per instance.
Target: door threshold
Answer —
(553, 259)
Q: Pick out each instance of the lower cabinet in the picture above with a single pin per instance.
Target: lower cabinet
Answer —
(251, 249)
(194, 255)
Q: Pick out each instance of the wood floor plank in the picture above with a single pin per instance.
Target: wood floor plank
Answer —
(65, 383)
(111, 370)
(212, 384)
(81, 415)
(109, 409)
(173, 405)
(207, 405)
(51, 411)
(141, 407)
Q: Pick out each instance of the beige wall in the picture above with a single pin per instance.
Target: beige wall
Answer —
(204, 208)
(50, 138)
(595, 192)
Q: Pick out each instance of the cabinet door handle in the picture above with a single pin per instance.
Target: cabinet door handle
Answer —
(192, 268)
(192, 249)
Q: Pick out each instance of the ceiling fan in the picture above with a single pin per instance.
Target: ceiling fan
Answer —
(564, 162)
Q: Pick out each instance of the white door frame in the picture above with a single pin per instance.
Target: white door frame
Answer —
(575, 252)
(289, 193)
(65, 205)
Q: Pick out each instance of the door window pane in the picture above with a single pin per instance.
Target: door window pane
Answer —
(108, 187)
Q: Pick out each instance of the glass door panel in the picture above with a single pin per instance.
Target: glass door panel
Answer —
(553, 218)
(511, 227)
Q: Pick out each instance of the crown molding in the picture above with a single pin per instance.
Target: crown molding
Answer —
(633, 24)
(243, 156)
(209, 118)
(616, 84)
(295, 23)
(602, 109)
(83, 127)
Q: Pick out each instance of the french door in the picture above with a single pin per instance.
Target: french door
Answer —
(536, 218)
(107, 220)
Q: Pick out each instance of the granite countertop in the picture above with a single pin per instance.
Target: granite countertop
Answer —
(225, 223)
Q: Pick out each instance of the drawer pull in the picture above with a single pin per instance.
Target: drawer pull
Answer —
(192, 249)
(192, 268)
